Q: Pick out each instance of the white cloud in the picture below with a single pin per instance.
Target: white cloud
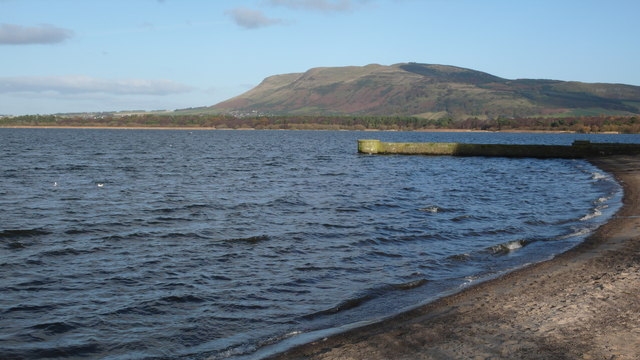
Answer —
(86, 85)
(252, 19)
(11, 34)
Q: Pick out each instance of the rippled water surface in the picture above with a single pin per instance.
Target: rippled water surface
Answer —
(126, 244)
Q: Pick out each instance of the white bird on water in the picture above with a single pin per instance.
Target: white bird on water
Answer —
(100, 185)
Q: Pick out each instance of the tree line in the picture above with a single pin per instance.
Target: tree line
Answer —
(582, 124)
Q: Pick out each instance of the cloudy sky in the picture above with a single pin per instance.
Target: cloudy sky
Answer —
(110, 55)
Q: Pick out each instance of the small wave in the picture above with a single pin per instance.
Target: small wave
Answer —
(71, 167)
(188, 235)
(163, 305)
(30, 308)
(508, 247)
(247, 307)
(36, 283)
(461, 218)
(196, 206)
(594, 214)
(347, 209)
(311, 267)
(410, 285)
(166, 219)
(164, 210)
(598, 176)
(65, 251)
(15, 245)
(430, 209)
(287, 201)
(19, 233)
(345, 305)
(459, 257)
(401, 239)
(385, 254)
(577, 232)
(182, 299)
(133, 235)
(368, 296)
(287, 290)
(250, 239)
(70, 351)
(149, 309)
(54, 328)
(75, 231)
(381, 205)
(536, 222)
(123, 281)
(218, 277)
(339, 226)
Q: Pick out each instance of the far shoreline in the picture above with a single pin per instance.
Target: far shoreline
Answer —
(193, 128)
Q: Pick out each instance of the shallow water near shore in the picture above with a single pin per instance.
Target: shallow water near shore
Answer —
(127, 244)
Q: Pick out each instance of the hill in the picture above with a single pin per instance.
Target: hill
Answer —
(427, 91)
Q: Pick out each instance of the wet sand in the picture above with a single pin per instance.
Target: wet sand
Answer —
(583, 304)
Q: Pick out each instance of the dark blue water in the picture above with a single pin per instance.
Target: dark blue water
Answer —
(125, 244)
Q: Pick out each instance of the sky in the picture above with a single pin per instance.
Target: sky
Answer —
(61, 56)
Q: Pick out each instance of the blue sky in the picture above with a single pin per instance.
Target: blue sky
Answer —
(99, 55)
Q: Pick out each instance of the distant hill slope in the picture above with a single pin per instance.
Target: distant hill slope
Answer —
(429, 91)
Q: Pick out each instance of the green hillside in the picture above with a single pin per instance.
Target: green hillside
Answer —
(427, 91)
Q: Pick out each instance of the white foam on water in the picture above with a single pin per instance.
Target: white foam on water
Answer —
(514, 245)
(508, 246)
(596, 212)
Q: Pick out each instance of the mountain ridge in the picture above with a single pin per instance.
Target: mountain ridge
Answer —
(428, 91)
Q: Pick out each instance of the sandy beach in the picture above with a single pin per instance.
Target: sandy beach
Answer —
(583, 304)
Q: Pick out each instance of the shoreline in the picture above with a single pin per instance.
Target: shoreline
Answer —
(111, 127)
(582, 304)
(102, 127)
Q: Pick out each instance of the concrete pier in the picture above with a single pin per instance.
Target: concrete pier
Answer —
(579, 149)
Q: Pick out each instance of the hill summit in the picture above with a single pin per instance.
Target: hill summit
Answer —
(428, 91)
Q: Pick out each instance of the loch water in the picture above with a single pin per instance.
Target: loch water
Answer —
(176, 244)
